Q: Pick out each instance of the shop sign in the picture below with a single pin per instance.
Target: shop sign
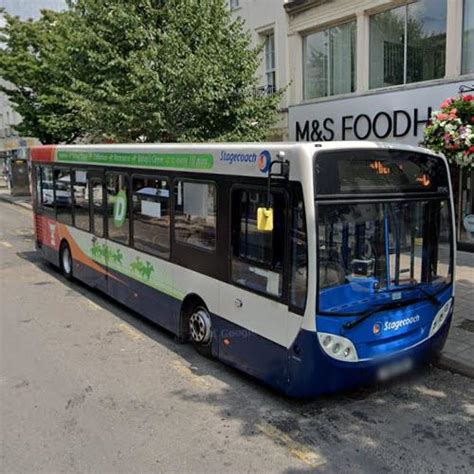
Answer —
(385, 116)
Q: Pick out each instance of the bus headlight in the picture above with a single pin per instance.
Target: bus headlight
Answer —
(440, 317)
(338, 347)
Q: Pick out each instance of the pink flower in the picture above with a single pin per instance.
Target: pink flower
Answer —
(442, 116)
(468, 98)
(471, 149)
(446, 103)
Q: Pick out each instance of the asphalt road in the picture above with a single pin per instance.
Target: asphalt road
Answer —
(88, 386)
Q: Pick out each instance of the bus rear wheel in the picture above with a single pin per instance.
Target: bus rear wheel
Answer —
(65, 260)
(200, 330)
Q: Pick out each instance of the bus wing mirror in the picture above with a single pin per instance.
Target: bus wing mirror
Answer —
(264, 219)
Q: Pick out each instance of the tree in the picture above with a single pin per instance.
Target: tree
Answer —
(33, 62)
(151, 70)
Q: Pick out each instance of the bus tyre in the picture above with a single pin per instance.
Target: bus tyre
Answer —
(65, 260)
(200, 330)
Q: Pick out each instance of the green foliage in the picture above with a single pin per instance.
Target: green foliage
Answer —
(154, 71)
(34, 61)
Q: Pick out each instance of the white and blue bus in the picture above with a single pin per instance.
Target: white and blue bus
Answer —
(311, 266)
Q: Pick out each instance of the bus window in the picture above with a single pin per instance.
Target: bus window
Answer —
(37, 171)
(47, 192)
(151, 215)
(195, 214)
(117, 208)
(257, 257)
(63, 195)
(81, 201)
(299, 255)
(97, 196)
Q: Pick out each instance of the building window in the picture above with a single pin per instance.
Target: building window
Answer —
(234, 4)
(408, 44)
(151, 215)
(270, 69)
(468, 38)
(195, 214)
(329, 58)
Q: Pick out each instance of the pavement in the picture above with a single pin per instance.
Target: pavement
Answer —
(87, 386)
(458, 352)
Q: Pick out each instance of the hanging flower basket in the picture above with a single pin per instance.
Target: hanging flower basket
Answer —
(451, 130)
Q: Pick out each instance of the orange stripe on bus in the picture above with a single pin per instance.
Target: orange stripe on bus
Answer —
(79, 255)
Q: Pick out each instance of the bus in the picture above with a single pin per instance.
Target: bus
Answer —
(314, 267)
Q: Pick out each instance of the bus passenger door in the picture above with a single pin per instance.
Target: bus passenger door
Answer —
(254, 306)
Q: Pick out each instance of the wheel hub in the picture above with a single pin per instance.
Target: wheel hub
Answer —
(200, 326)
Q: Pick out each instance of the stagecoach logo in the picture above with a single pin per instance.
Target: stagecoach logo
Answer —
(394, 325)
(52, 233)
(262, 160)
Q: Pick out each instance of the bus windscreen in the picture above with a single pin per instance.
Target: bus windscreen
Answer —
(379, 171)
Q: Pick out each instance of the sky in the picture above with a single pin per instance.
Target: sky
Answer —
(30, 8)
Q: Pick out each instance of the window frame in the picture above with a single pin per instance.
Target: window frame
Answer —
(270, 35)
(284, 297)
(463, 42)
(171, 213)
(354, 79)
(405, 83)
(175, 241)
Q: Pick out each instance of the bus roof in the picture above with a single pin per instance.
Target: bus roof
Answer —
(246, 159)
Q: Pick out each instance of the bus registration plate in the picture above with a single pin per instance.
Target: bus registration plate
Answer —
(394, 369)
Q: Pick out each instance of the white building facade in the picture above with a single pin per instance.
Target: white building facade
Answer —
(368, 69)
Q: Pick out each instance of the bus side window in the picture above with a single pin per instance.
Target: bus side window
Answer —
(195, 209)
(97, 197)
(151, 215)
(299, 254)
(37, 175)
(81, 200)
(47, 191)
(117, 208)
(257, 257)
(63, 195)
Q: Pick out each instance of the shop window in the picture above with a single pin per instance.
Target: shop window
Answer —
(329, 58)
(299, 254)
(468, 38)
(117, 208)
(257, 257)
(408, 44)
(195, 214)
(81, 201)
(97, 208)
(63, 195)
(151, 215)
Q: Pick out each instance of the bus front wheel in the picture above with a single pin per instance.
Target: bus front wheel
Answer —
(65, 260)
(200, 330)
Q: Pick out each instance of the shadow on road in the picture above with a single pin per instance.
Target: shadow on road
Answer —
(423, 421)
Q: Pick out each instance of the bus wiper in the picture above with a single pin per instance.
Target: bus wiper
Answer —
(383, 307)
(430, 296)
